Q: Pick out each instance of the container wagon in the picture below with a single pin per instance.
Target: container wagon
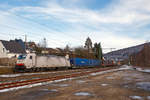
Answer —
(83, 62)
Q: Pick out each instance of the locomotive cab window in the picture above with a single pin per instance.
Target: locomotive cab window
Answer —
(21, 57)
(30, 57)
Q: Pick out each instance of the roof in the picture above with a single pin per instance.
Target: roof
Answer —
(13, 46)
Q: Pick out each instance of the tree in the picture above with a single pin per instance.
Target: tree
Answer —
(43, 43)
(98, 51)
(79, 50)
(88, 44)
(67, 49)
(100, 56)
(95, 49)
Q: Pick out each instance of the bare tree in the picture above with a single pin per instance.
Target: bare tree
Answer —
(43, 43)
(67, 48)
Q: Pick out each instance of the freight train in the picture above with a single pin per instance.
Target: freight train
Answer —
(33, 62)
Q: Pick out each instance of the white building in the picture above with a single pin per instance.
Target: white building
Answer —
(9, 49)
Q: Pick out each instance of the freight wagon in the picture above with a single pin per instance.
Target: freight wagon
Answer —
(33, 62)
(82, 62)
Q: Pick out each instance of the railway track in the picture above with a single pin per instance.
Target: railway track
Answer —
(29, 76)
(9, 85)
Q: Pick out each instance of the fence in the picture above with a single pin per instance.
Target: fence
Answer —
(8, 61)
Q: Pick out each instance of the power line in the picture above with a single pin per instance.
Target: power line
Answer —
(4, 35)
(21, 30)
(30, 34)
(43, 25)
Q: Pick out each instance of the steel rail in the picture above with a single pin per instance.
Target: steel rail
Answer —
(40, 80)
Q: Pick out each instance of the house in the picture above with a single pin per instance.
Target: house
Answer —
(30, 45)
(9, 49)
(50, 51)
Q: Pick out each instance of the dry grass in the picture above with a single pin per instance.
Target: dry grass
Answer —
(6, 70)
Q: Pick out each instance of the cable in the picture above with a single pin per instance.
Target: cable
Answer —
(30, 34)
(4, 34)
(43, 25)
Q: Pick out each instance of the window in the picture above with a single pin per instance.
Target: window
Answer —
(30, 57)
(3, 49)
(21, 57)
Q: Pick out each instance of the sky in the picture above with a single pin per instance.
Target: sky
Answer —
(115, 23)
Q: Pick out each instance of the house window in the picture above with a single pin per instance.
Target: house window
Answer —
(3, 49)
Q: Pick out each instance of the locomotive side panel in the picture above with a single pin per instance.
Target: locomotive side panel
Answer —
(52, 61)
(32, 61)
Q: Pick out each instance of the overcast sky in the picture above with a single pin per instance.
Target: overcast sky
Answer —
(114, 23)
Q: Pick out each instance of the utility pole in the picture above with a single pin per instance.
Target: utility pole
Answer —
(13, 36)
(25, 41)
(111, 50)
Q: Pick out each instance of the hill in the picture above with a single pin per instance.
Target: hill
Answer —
(123, 54)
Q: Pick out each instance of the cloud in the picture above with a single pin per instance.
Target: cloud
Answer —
(121, 12)
(108, 24)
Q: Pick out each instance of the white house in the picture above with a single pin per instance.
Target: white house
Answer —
(9, 49)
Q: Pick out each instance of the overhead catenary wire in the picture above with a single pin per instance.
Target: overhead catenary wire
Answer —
(60, 43)
(4, 35)
(31, 33)
(55, 41)
(43, 25)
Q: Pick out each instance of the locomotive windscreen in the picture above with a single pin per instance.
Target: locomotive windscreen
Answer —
(21, 56)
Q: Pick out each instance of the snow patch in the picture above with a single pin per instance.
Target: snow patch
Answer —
(124, 67)
(60, 85)
(143, 70)
(136, 97)
(126, 86)
(104, 84)
(52, 90)
(148, 97)
(128, 79)
(82, 94)
(110, 77)
(80, 81)
(44, 89)
(63, 85)
(144, 85)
